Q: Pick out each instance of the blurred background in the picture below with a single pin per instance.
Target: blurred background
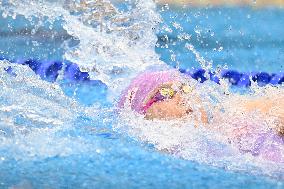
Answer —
(255, 3)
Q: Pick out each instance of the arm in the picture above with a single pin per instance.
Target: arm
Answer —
(269, 107)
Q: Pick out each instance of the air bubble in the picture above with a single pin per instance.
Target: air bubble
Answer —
(33, 31)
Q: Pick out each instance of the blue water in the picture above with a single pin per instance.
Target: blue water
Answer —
(252, 40)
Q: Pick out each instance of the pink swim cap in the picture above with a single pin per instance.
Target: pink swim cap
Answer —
(143, 85)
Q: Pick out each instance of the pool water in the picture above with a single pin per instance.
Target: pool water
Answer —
(236, 37)
(72, 143)
(244, 39)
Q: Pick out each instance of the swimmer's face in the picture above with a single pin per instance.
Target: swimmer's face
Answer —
(168, 103)
(168, 109)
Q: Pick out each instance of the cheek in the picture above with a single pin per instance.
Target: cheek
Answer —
(167, 110)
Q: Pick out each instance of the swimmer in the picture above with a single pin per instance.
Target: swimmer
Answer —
(168, 95)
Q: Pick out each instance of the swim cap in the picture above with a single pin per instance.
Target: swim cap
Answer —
(143, 85)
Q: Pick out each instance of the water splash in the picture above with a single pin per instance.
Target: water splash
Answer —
(35, 114)
(216, 142)
(113, 45)
(19, 109)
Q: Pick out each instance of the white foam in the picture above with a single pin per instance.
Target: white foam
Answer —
(211, 144)
(113, 47)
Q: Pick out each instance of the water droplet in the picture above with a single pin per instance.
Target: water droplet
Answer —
(33, 31)
(14, 16)
(4, 14)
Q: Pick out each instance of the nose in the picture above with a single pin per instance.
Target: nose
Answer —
(188, 111)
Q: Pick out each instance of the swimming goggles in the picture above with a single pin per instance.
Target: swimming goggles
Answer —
(165, 93)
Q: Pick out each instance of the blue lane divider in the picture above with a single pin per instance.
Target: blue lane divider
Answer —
(237, 78)
(49, 70)
(72, 72)
(244, 81)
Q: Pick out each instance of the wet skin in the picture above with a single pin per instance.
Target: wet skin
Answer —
(173, 108)
(176, 108)
(269, 107)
